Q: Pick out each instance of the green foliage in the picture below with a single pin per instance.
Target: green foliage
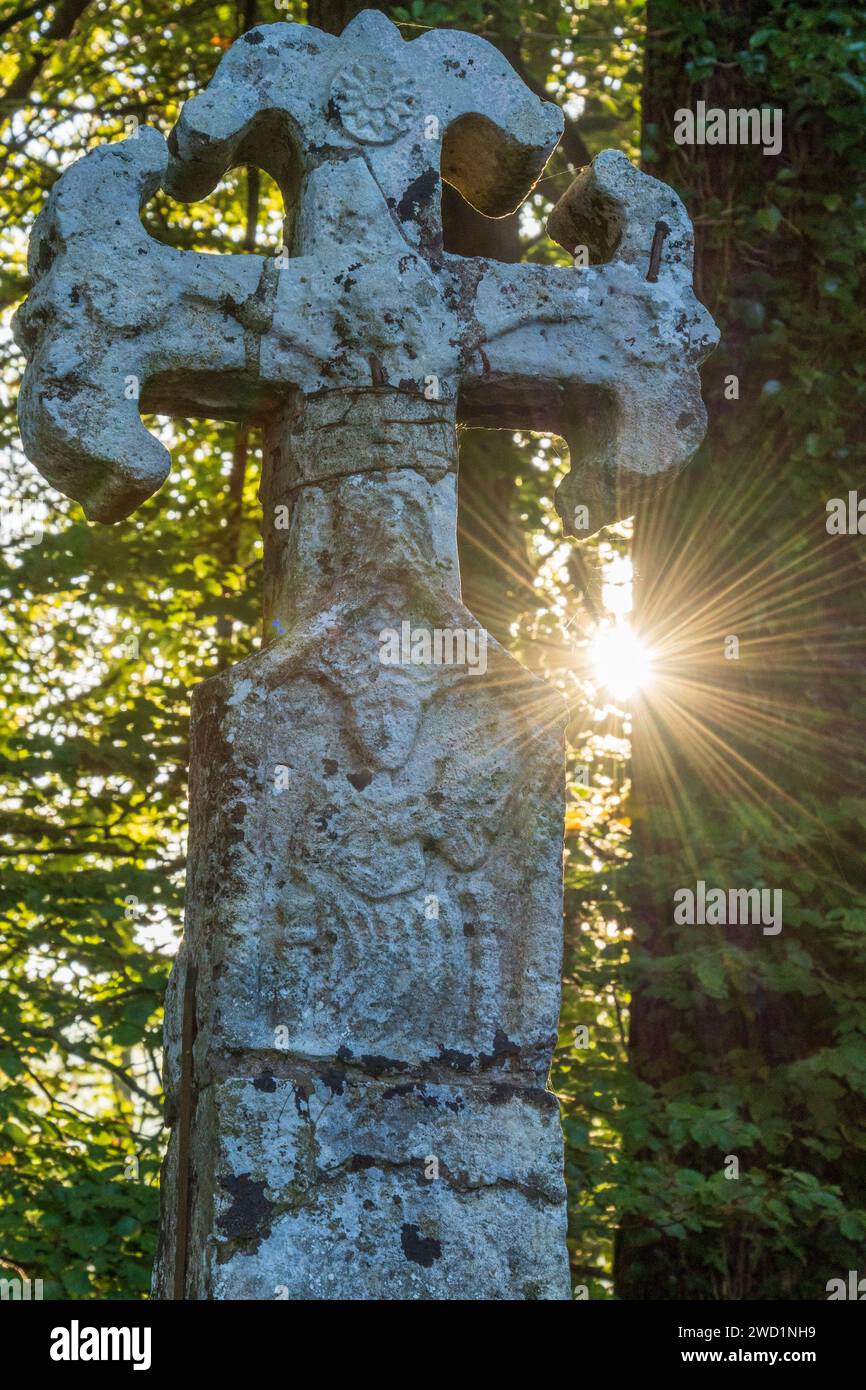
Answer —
(749, 1045)
(103, 633)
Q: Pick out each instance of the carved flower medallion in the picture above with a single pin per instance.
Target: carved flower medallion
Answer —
(374, 100)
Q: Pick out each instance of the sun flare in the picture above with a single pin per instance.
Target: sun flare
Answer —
(620, 660)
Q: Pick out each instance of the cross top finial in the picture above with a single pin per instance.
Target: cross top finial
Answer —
(359, 131)
(446, 104)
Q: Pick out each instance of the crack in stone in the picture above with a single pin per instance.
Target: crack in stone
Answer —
(286, 1065)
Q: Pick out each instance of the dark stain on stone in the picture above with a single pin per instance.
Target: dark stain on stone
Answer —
(394, 1091)
(69, 387)
(458, 1061)
(417, 194)
(349, 282)
(344, 1053)
(421, 1250)
(250, 1214)
(301, 1097)
(334, 1078)
(265, 1082)
(359, 1162)
(684, 420)
(377, 1066)
(254, 37)
(360, 780)
(330, 766)
(229, 306)
(504, 1050)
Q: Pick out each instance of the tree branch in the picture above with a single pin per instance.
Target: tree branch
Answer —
(79, 1050)
(15, 18)
(60, 28)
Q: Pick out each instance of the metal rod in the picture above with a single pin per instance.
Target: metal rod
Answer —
(661, 231)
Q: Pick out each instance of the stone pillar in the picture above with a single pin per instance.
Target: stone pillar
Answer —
(374, 921)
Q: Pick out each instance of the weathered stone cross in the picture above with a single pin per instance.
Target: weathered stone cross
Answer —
(362, 1014)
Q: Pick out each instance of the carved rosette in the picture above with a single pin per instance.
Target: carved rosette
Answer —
(375, 99)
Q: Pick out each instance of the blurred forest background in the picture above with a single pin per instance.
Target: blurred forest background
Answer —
(681, 1047)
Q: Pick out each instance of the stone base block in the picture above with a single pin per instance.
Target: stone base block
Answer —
(335, 1186)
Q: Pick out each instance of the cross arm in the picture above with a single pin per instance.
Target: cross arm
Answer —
(605, 355)
(116, 322)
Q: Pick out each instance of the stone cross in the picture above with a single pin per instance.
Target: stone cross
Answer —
(362, 1014)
